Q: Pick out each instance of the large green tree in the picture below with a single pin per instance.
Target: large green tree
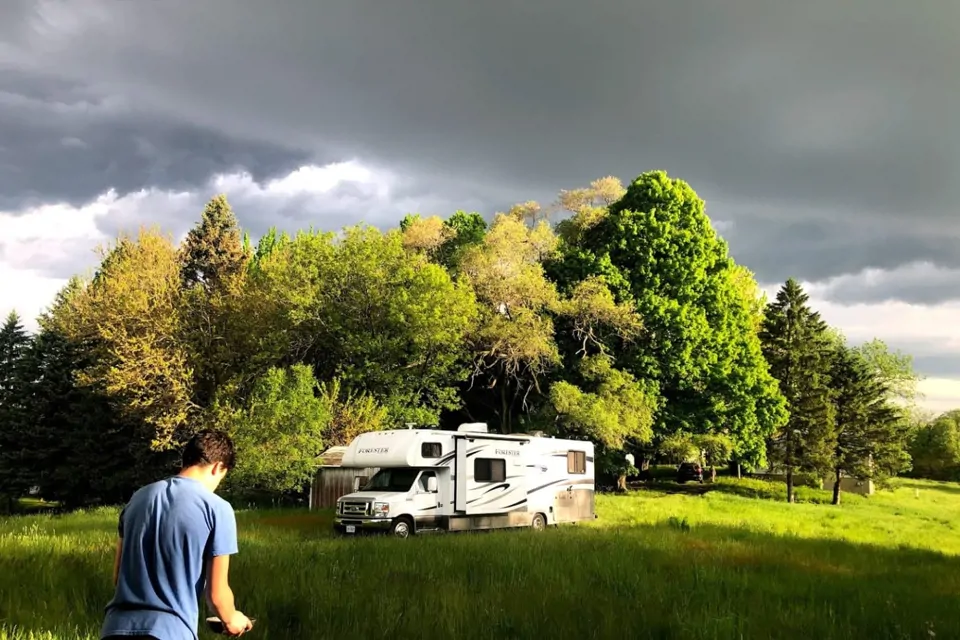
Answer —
(799, 348)
(363, 309)
(278, 430)
(655, 248)
(128, 321)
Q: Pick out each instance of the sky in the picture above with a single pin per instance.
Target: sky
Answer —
(821, 135)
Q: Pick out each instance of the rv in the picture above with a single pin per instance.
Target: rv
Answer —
(468, 479)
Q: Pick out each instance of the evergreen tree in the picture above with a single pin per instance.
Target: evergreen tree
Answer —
(798, 348)
(871, 432)
(13, 419)
(214, 262)
(74, 430)
(213, 252)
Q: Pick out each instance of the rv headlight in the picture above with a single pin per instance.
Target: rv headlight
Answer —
(381, 509)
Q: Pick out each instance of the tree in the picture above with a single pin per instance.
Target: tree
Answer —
(278, 431)
(713, 449)
(589, 205)
(616, 408)
(425, 234)
(127, 320)
(935, 448)
(513, 342)
(73, 429)
(351, 414)
(655, 248)
(798, 347)
(465, 230)
(213, 266)
(14, 421)
(362, 309)
(894, 369)
(213, 255)
(870, 433)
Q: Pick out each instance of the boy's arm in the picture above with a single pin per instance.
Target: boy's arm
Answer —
(218, 591)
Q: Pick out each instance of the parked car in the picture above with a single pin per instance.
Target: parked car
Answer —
(689, 471)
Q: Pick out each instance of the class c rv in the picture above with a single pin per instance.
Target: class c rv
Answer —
(468, 479)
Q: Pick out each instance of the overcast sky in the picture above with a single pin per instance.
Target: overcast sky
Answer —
(822, 135)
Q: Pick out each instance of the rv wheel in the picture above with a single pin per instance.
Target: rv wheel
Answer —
(402, 528)
(539, 522)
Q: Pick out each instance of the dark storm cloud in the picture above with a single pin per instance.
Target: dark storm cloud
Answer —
(62, 142)
(841, 109)
(815, 249)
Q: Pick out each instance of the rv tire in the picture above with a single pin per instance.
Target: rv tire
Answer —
(539, 522)
(402, 527)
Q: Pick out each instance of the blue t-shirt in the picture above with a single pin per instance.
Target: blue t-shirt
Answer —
(170, 530)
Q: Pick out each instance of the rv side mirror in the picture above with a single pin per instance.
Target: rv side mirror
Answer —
(432, 484)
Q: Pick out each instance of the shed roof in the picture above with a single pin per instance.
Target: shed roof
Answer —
(332, 457)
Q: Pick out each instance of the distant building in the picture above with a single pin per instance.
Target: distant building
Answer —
(849, 485)
(332, 481)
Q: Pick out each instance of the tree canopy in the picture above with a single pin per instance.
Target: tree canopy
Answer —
(614, 314)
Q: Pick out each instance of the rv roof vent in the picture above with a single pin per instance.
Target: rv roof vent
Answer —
(473, 427)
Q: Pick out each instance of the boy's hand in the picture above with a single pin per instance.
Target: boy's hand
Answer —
(237, 624)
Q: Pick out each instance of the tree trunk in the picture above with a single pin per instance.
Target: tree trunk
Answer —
(504, 410)
(713, 473)
(739, 475)
(622, 482)
(790, 497)
(836, 488)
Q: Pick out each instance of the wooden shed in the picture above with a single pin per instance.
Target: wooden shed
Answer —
(333, 481)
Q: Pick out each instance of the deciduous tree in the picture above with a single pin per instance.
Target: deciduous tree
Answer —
(655, 247)
(128, 321)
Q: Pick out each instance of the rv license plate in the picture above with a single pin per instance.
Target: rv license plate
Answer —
(351, 528)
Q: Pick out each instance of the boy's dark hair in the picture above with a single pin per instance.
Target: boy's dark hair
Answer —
(208, 447)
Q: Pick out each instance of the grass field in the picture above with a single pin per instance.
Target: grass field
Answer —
(655, 565)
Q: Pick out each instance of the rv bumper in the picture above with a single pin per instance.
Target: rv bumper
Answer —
(356, 525)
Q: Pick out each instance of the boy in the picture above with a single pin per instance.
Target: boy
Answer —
(175, 535)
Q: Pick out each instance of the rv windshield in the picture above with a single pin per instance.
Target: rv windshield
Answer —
(392, 480)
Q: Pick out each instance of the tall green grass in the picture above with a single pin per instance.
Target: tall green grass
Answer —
(655, 565)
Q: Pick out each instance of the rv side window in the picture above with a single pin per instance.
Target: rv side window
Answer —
(431, 450)
(576, 462)
(489, 470)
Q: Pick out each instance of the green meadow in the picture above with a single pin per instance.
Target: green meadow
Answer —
(735, 561)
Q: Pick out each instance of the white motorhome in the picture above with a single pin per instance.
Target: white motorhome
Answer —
(431, 480)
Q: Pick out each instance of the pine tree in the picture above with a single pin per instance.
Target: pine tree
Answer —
(214, 259)
(871, 431)
(798, 349)
(213, 252)
(13, 419)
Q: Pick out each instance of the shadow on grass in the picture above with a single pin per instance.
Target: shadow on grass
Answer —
(745, 488)
(680, 580)
(928, 485)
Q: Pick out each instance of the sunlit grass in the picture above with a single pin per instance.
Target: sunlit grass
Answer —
(655, 565)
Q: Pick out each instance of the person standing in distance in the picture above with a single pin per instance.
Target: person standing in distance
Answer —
(177, 536)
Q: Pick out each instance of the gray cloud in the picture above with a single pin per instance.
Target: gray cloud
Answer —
(838, 117)
(920, 283)
(60, 141)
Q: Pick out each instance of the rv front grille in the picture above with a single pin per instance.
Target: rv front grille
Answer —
(355, 508)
